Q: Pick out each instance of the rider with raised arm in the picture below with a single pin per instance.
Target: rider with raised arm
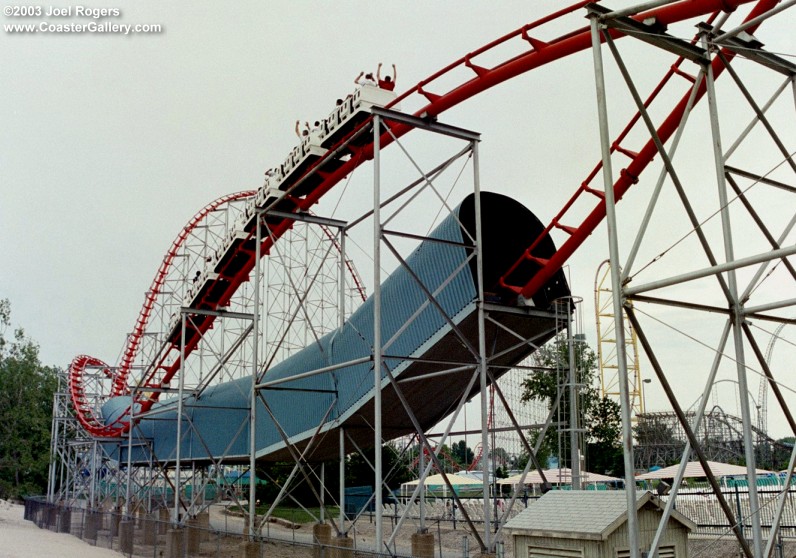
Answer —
(388, 82)
(368, 80)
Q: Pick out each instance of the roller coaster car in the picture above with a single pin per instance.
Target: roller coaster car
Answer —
(372, 96)
(295, 176)
(355, 110)
(301, 159)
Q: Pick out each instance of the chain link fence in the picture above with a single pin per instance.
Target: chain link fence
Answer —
(155, 535)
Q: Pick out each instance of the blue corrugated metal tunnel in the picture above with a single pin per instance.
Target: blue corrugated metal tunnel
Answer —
(421, 341)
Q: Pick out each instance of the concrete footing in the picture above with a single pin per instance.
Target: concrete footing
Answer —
(115, 518)
(175, 539)
(193, 536)
(204, 523)
(64, 520)
(423, 545)
(106, 515)
(126, 529)
(91, 525)
(250, 549)
(149, 528)
(321, 535)
(343, 547)
(163, 521)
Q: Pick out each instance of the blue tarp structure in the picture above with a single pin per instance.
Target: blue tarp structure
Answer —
(356, 498)
(241, 479)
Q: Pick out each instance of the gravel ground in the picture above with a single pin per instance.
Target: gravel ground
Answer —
(20, 538)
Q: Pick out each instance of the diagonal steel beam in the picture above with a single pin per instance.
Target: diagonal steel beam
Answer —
(433, 174)
(424, 440)
(299, 458)
(655, 138)
(698, 416)
(754, 21)
(652, 33)
(689, 432)
(430, 297)
(531, 454)
(758, 112)
(432, 454)
(775, 244)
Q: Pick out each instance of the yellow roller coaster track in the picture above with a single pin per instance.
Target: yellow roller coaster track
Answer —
(606, 345)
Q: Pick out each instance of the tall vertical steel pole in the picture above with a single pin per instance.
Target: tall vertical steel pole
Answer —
(118, 480)
(53, 445)
(181, 384)
(422, 487)
(322, 512)
(341, 323)
(92, 487)
(341, 310)
(378, 498)
(342, 481)
(149, 481)
(128, 489)
(736, 307)
(485, 453)
(574, 450)
(253, 401)
(66, 478)
(616, 287)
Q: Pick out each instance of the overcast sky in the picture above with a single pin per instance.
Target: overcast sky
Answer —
(110, 143)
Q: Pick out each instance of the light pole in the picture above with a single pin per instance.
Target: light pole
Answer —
(644, 395)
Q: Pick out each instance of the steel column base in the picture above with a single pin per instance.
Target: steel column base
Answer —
(423, 545)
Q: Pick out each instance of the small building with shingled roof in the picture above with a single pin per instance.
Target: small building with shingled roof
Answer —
(586, 524)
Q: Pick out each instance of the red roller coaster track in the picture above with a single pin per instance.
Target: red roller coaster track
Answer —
(77, 369)
(539, 54)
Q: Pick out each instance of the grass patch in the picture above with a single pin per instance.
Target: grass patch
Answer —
(294, 514)
(298, 515)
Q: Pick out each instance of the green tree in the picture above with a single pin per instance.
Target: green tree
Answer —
(359, 473)
(26, 398)
(599, 416)
(780, 453)
(462, 454)
(276, 474)
(500, 457)
(604, 446)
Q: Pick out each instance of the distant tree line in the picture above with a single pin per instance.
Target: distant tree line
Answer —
(26, 399)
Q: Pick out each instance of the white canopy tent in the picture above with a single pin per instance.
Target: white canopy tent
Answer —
(557, 476)
(694, 469)
(436, 484)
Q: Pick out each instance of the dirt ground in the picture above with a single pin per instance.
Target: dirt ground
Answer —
(225, 539)
(451, 542)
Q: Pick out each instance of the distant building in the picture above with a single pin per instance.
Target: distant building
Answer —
(586, 524)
